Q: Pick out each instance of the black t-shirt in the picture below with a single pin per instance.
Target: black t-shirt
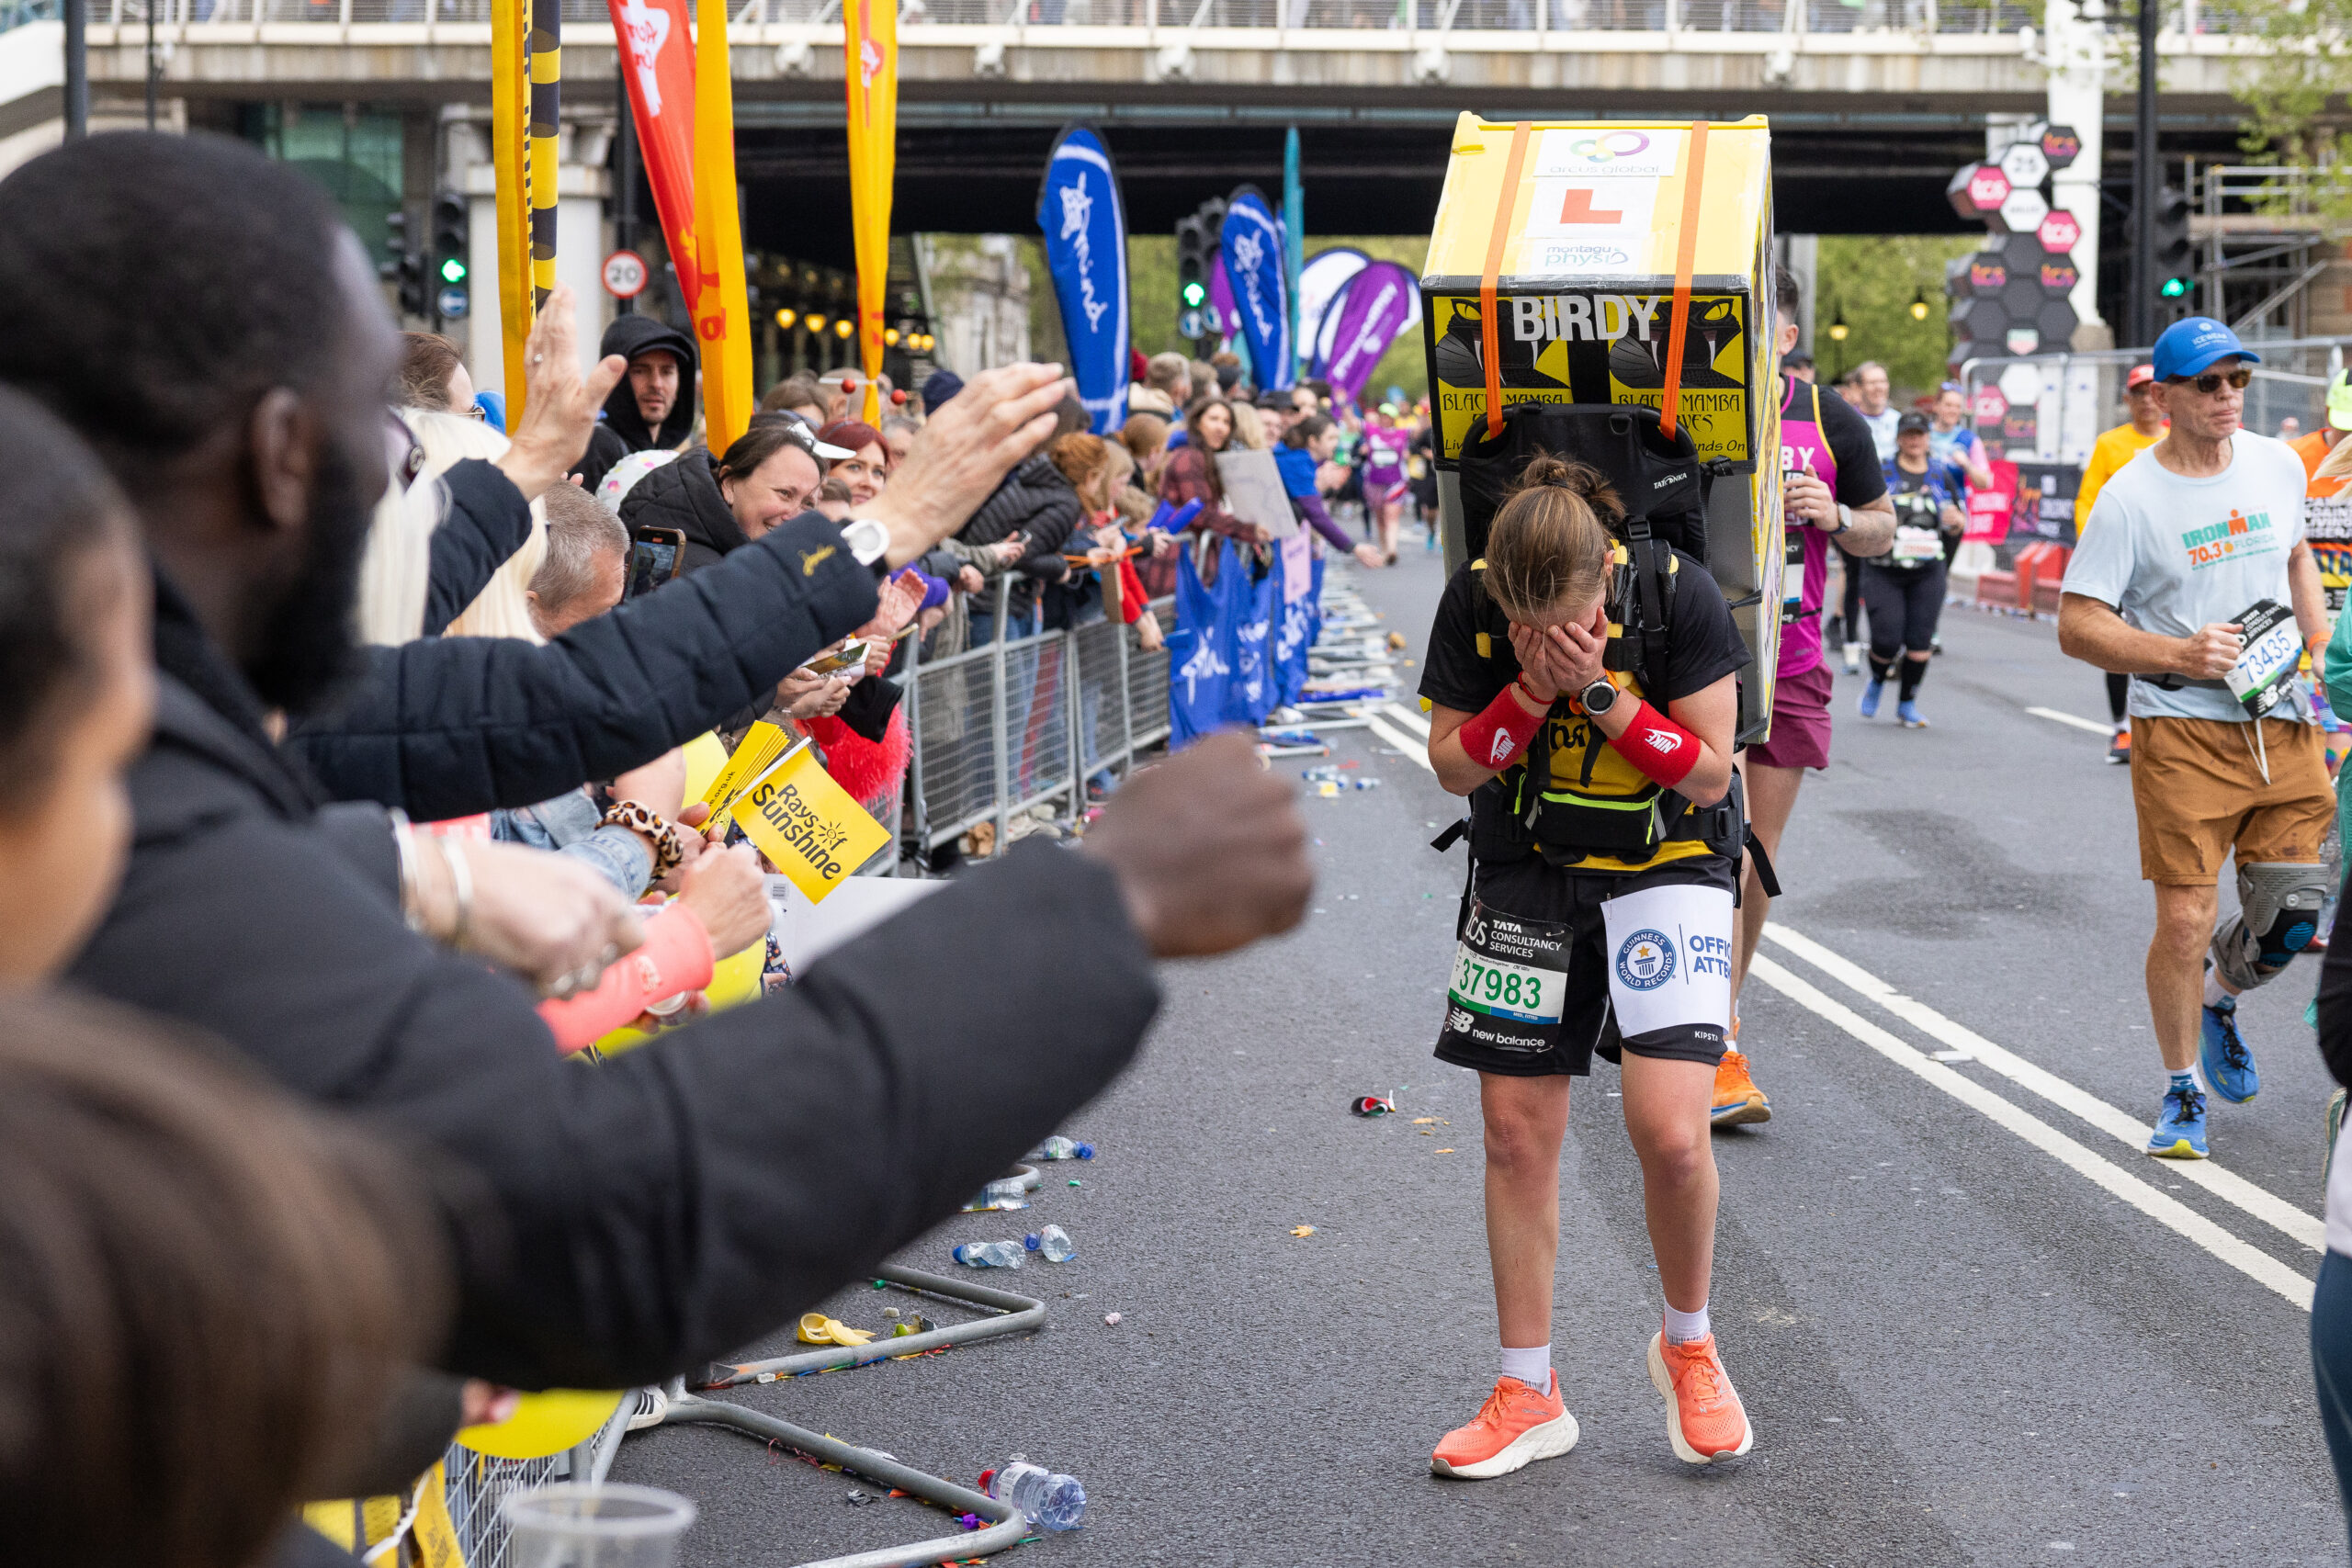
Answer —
(1470, 659)
(1859, 480)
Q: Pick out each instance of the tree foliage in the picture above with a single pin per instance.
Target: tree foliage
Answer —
(1871, 281)
(2293, 88)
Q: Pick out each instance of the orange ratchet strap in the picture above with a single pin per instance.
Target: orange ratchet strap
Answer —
(1489, 328)
(1686, 255)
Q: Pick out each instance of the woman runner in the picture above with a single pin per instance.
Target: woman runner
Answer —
(1598, 916)
(1904, 588)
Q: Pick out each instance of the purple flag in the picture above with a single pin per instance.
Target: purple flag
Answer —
(1222, 314)
(1374, 307)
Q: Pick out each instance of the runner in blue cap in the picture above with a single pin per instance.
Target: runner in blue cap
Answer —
(2192, 576)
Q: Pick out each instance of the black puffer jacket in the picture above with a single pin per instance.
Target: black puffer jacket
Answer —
(623, 429)
(447, 726)
(477, 535)
(1035, 501)
(616, 1224)
(684, 495)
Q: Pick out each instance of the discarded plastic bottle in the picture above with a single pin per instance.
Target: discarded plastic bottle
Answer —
(1059, 1148)
(1003, 1193)
(1054, 1243)
(1055, 1502)
(991, 1254)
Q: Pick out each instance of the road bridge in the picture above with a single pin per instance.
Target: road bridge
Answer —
(1873, 103)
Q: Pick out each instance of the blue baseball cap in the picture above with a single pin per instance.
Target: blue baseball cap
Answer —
(2193, 342)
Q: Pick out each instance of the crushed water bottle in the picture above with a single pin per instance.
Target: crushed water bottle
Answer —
(1051, 1501)
(991, 1254)
(1003, 1193)
(1059, 1148)
(1053, 1243)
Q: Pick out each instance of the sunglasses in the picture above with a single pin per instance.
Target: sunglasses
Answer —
(2212, 381)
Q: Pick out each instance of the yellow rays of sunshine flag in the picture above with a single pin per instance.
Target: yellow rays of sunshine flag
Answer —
(723, 308)
(870, 47)
(807, 825)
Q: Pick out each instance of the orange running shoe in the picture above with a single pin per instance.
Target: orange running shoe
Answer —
(1703, 1415)
(1737, 1100)
(1514, 1428)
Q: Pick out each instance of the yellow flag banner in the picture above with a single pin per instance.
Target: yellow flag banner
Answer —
(762, 745)
(723, 306)
(807, 825)
(870, 48)
(510, 23)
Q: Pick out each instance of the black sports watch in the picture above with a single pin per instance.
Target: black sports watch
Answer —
(1598, 698)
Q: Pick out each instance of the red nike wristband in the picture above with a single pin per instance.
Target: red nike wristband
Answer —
(1495, 738)
(1657, 745)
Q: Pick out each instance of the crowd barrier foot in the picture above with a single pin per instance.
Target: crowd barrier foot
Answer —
(1006, 1524)
(1015, 1314)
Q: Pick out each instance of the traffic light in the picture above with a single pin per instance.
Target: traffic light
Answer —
(451, 237)
(1191, 276)
(1197, 242)
(2176, 266)
(405, 267)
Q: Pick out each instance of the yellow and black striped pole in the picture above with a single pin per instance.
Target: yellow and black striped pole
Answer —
(546, 60)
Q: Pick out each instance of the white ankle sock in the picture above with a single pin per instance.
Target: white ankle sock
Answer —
(2215, 990)
(1531, 1364)
(1682, 1328)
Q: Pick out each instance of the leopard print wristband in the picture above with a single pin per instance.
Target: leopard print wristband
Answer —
(667, 851)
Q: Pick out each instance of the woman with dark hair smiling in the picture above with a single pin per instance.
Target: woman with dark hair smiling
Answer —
(769, 476)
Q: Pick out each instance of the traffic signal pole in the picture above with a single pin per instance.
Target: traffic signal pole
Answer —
(77, 69)
(624, 181)
(2147, 180)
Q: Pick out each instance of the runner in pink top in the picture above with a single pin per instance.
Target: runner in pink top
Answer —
(1831, 487)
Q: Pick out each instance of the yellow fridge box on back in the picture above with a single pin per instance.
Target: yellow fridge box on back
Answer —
(1577, 231)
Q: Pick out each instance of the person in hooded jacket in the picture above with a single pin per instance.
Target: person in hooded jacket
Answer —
(653, 408)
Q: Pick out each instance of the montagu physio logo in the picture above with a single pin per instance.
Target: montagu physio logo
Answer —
(2240, 534)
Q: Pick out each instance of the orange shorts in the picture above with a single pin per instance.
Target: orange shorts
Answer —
(2199, 793)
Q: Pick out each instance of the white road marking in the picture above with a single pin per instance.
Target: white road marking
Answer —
(1418, 749)
(2168, 1211)
(2055, 716)
(2227, 1185)
(1385, 720)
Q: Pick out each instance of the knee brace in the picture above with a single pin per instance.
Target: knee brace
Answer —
(2278, 904)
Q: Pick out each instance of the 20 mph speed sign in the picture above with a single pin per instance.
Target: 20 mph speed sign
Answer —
(623, 275)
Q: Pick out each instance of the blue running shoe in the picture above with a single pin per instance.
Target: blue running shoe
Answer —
(1911, 716)
(1870, 698)
(2180, 1126)
(2222, 1055)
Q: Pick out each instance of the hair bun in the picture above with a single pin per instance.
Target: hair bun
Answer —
(1583, 480)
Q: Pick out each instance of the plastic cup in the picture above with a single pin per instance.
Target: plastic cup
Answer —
(569, 1525)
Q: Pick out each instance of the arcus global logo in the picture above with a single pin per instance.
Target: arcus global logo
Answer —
(1608, 146)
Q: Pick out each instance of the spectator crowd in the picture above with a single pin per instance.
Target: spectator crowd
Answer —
(343, 784)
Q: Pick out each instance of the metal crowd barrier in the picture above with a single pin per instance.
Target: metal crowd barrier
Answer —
(1001, 729)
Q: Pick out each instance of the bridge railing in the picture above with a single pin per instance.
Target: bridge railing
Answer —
(1324, 17)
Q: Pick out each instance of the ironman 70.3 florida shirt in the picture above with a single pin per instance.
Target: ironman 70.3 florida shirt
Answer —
(2175, 554)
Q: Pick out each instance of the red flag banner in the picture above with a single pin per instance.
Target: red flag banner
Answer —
(659, 66)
